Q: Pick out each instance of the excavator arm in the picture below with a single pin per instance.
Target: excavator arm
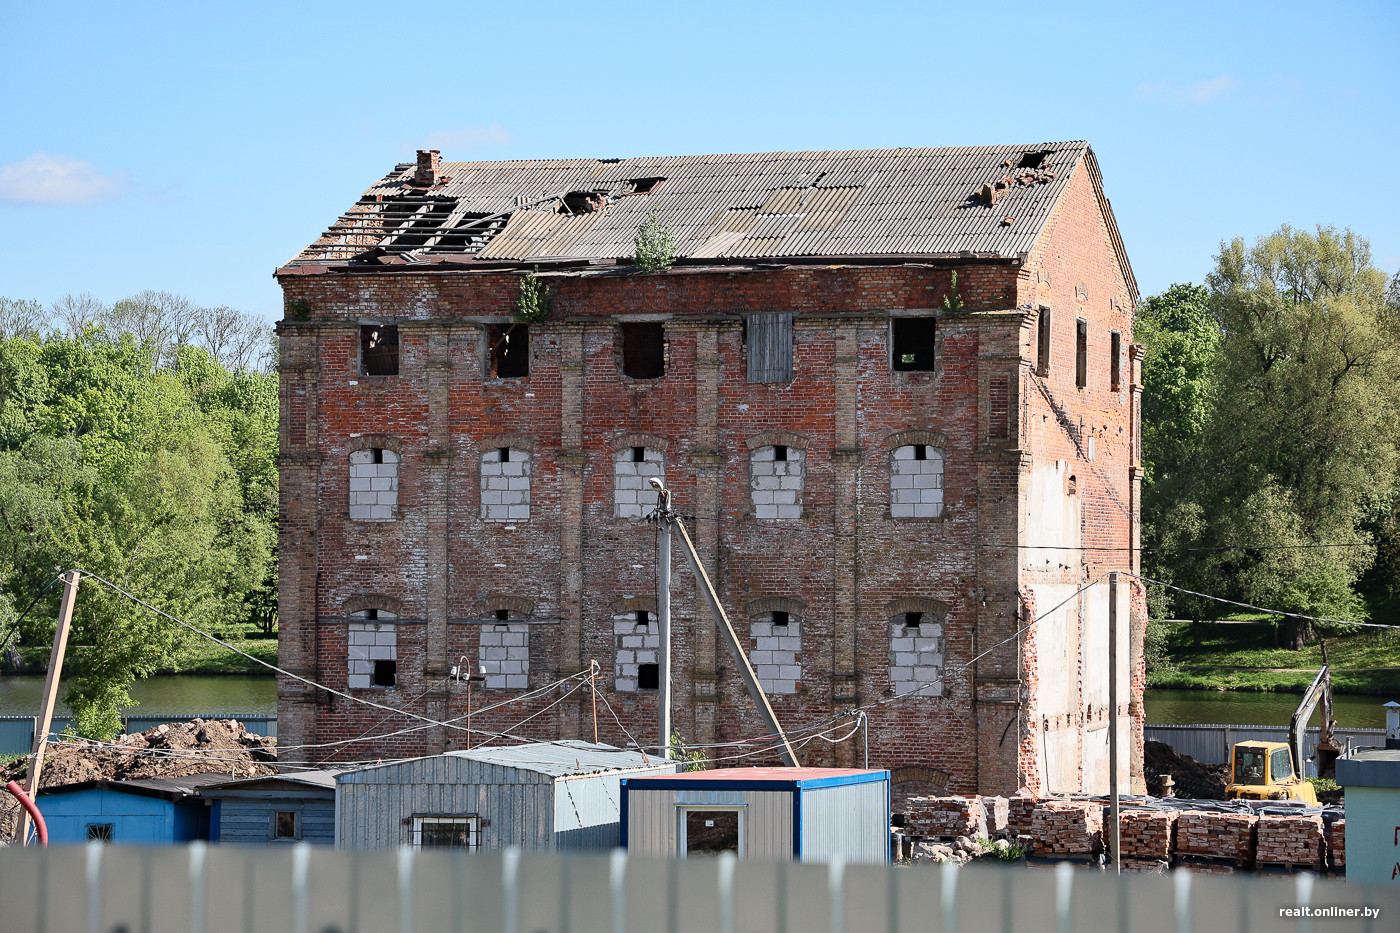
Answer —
(1327, 749)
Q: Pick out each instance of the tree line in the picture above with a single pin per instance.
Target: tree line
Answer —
(138, 441)
(1271, 432)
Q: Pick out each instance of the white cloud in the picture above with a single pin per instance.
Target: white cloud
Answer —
(53, 179)
(1202, 92)
(465, 139)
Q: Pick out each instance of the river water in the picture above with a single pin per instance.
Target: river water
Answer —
(226, 694)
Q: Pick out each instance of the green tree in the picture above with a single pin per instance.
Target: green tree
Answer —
(654, 248)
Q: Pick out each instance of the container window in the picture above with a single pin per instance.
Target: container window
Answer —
(286, 824)
(439, 832)
(711, 832)
(99, 832)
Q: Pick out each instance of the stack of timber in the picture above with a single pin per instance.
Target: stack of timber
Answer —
(1067, 828)
(1148, 834)
(1214, 841)
(945, 817)
(1290, 841)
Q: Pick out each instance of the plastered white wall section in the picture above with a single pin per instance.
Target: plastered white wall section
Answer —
(633, 496)
(916, 659)
(776, 649)
(369, 642)
(374, 486)
(505, 656)
(1050, 516)
(916, 486)
(636, 645)
(776, 485)
(505, 486)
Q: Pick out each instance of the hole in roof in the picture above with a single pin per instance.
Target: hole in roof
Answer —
(643, 185)
(583, 202)
(1034, 159)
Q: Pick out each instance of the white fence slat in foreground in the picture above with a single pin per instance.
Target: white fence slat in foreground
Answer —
(227, 889)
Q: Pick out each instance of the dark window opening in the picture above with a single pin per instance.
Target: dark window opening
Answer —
(643, 617)
(371, 614)
(920, 451)
(99, 832)
(584, 202)
(1034, 159)
(1115, 363)
(779, 452)
(643, 185)
(379, 349)
(1043, 342)
(648, 677)
(385, 673)
(913, 619)
(644, 350)
(504, 453)
(781, 618)
(1072, 485)
(639, 454)
(1081, 353)
(913, 343)
(284, 824)
(376, 455)
(711, 832)
(510, 350)
(502, 615)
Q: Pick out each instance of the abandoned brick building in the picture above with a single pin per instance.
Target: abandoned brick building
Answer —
(887, 470)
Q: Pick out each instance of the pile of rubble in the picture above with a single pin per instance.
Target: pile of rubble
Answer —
(199, 746)
(1290, 840)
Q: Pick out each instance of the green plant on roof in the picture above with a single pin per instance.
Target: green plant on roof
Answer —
(655, 245)
(691, 759)
(533, 305)
(953, 301)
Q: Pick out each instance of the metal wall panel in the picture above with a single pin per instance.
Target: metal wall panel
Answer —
(247, 821)
(767, 826)
(851, 821)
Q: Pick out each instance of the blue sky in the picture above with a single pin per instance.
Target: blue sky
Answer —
(195, 147)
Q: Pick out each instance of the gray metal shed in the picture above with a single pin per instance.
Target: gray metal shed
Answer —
(298, 806)
(543, 795)
(802, 814)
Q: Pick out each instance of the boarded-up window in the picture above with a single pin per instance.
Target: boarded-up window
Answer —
(644, 350)
(379, 350)
(998, 408)
(916, 482)
(1081, 353)
(769, 338)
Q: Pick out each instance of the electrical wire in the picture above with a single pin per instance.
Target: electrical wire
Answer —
(1277, 612)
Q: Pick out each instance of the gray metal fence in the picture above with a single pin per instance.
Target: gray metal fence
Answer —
(17, 732)
(110, 889)
(1210, 742)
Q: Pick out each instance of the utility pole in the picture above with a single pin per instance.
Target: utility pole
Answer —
(663, 614)
(45, 720)
(1113, 718)
(707, 591)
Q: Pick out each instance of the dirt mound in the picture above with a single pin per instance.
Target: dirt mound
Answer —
(1194, 780)
(171, 750)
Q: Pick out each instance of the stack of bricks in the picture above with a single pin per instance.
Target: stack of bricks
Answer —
(1018, 814)
(1294, 840)
(1213, 835)
(995, 812)
(945, 817)
(1337, 844)
(1065, 828)
(1148, 834)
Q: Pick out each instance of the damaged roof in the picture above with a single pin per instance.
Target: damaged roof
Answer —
(988, 201)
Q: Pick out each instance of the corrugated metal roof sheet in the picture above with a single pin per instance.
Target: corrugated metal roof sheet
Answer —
(561, 758)
(906, 202)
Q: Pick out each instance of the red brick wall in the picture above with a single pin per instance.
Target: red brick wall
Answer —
(573, 562)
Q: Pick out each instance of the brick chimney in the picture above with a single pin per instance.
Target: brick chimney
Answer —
(427, 174)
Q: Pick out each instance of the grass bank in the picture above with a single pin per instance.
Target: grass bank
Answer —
(1247, 657)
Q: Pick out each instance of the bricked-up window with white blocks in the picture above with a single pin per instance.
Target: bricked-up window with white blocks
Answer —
(374, 484)
(916, 482)
(916, 654)
(505, 485)
(505, 653)
(776, 475)
(373, 646)
(633, 496)
(777, 643)
(638, 640)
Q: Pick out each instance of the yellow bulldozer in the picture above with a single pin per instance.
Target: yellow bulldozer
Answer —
(1274, 770)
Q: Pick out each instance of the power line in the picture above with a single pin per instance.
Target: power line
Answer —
(1277, 612)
